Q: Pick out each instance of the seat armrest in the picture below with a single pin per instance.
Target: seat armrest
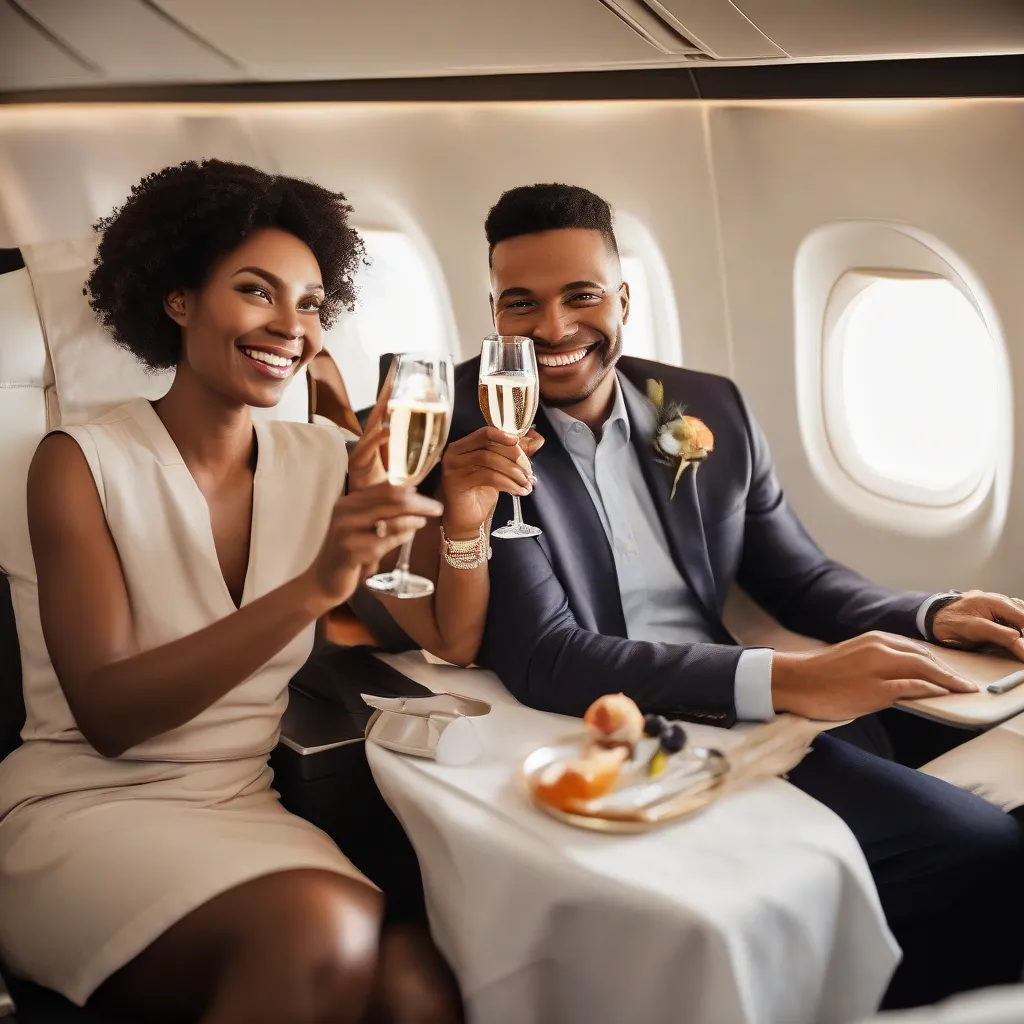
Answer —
(339, 675)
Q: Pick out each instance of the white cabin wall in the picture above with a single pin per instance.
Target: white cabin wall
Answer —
(432, 169)
(949, 168)
(770, 172)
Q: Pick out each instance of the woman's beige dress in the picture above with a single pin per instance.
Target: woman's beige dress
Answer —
(99, 857)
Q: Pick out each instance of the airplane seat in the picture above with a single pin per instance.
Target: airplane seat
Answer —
(25, 374)
(27, 404)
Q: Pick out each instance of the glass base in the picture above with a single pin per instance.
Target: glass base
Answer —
(512, 531)
(400, 584)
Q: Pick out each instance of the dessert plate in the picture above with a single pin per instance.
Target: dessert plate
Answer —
(692, 780)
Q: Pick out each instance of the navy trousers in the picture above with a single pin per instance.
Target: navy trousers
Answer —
(949, 869)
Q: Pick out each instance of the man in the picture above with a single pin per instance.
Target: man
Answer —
(624, 591)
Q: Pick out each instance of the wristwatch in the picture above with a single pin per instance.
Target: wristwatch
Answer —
(934, 608)
(466, 554)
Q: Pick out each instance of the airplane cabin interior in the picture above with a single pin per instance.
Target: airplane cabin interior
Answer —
(819, 202)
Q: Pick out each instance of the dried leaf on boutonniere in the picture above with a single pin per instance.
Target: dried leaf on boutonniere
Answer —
(681, 440)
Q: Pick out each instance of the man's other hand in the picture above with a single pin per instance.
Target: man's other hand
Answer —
(859, 676)
(976, 619)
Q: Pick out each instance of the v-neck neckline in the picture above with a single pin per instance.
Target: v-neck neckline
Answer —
(168, 454)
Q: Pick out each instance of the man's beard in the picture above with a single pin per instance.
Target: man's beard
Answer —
(609, 352)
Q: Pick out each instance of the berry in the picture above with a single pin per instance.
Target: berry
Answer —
(653, 725)
(673, 739)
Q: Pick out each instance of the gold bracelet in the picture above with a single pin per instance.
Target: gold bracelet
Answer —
(466, 554)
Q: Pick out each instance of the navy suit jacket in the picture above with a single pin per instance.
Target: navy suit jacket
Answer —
(555, 633)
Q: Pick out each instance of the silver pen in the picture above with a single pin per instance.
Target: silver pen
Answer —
(1006, 683)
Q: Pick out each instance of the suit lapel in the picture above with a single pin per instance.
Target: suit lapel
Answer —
(680, 517)
(573, 535)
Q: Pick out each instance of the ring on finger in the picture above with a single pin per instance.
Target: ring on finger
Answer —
(380, 528)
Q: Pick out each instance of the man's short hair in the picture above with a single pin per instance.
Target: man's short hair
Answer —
(530, 209)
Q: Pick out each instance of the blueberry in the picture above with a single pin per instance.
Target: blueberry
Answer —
(653, 724)
(673, 739)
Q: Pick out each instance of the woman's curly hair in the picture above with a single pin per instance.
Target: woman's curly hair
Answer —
(178, 222)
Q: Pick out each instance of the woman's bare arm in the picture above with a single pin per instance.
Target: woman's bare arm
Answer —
(450, 623)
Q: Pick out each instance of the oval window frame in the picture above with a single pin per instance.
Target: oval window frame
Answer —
(825, 255)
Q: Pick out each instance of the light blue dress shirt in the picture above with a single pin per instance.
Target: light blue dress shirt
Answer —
(656, 601)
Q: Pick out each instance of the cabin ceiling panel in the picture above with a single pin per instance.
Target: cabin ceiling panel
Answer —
(719, 28)
(861, 28)
(132, 41)
(31, 60)
(327, 39)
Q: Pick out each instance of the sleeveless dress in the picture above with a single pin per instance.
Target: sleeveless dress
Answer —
(100, 856)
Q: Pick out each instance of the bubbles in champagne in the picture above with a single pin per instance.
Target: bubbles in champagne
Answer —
(508, 401)
(418, 432)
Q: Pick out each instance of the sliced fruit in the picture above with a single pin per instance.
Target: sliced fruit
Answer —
(566, 784)
(615, 717)
(658, 763)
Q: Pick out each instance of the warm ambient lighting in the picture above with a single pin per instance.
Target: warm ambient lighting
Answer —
(71, 111)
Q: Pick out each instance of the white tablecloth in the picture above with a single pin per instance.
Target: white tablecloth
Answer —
(761, 910)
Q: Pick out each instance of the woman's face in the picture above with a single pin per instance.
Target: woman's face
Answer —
(255, 322)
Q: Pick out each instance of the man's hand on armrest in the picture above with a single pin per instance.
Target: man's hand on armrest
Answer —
(977, 619)
(859, 676)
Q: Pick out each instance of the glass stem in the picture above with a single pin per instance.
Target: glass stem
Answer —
(402, 569)
(517, 512)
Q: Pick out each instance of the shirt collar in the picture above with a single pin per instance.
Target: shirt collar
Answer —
(563, 422)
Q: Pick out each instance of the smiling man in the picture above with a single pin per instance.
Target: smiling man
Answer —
(624, 591)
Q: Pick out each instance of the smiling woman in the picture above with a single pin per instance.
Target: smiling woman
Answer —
(183, 553)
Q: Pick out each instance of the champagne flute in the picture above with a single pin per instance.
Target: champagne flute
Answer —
(419, 414)
(508, 395)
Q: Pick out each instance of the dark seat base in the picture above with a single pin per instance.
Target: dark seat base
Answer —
(37, 1005)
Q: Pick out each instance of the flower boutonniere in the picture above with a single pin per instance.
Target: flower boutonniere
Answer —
(681, 441)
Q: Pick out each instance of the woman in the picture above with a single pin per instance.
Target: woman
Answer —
(183, 555)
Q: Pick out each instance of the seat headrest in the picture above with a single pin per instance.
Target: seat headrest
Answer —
(92, 375)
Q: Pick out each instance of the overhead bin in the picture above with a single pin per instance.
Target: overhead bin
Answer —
(56, 44)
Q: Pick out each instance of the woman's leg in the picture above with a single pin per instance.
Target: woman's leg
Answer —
(299, 946)
(414, 983)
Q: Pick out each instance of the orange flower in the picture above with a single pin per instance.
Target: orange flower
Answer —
(681, 437)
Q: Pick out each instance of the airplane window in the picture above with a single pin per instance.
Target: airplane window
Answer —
(910, 370)
(639, 335)
(399, 308)
(653, 328)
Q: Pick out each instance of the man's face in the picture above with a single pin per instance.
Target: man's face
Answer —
(564, 290)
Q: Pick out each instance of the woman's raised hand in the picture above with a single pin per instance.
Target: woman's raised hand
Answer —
(364, 528)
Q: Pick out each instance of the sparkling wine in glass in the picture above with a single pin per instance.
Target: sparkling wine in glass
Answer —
(508, 394)
(419, 414)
